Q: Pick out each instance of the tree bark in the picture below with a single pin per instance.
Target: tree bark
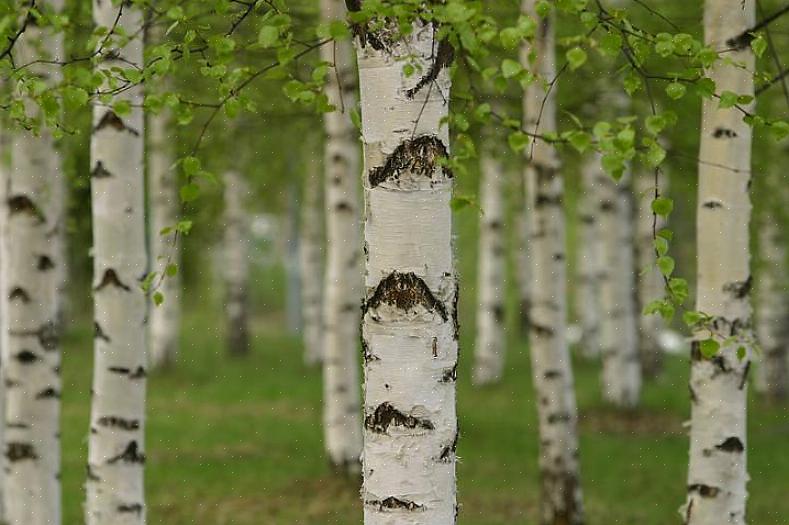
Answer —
(292, 254)
(116, 448)
(409, 322)
(523, 258)
(5, 173)
(32, 257)
(590, 265)
(236, 264)
(342, 293)
(311, 264)
(491, 340)
(561, 500)
(717, 475)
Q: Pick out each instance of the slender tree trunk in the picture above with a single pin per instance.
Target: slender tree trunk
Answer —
(5, 173)
(116, 450)
(30, 341)
(342, 295)
(491, 340)
(590, 265)
(292, 270)
(621, 375)
(236, 264)
(523, 259)
(561, 501)
(650, 280)
(717, 475)
(165, 319)
(772, 372)
(311, 265)
(409, 324)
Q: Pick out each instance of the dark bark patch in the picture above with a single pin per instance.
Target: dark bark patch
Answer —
(393, 503)
(131, 454)
(91, 475)
(739, 289)
(15, 451)
(724, 133)
(44, 263)
(100, 172)
(745, 373)
(110, 277)
(19, 293)
(543, 200)
(419, 156)
(448, 452)
(112, 120)
(705, 491)
(405, 291)
(119, 422)
(449, 375)
(713, 204)
(558, 417)
(498, 312)
(23, 204)
(731, 444)
(98, 332)
(138, 373)
(443, 58)
(553, 374)
(541, 330)
(48, 393)
(607, 206)
(386, 415)
(26, 357)
(134, 508)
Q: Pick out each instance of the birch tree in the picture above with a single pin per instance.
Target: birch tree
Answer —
(116, 446)
(590, 265)
(342, 296)
(311, 265)
(561, 500)
(522, 258)
(235, 264)
(409, 327)
(717, 475)
(31, 259)
(491, 339)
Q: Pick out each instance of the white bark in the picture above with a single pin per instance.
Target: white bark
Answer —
(32, 258)
(116, 451)
(772, 314)
(291, 260)
(650, 280)
(717, 475)
(561, 501)
(235, 263)
(410, 319)
(165, 319)
(311, 266)
(342, 293)
(5, 171)
(621, 376)
(590, 265)
(491, 339)
(523, 257)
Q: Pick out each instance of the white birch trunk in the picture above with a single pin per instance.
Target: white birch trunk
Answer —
(650, 280)
(235, 264)
(32, 257)
(772, 314)
(523, 258)
(591, 261)
(291, 260)
(561, 500)
(621, 375)
(491, 340)
(410, 317)
(717, 475)
(342, 293)
(311, 266)
(116, 451)
(165, 319)
(5, 173)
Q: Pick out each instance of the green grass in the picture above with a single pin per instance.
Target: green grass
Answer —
(238, 441)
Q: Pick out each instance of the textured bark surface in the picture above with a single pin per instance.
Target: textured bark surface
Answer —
(621, 375)
(650, 280)
(311, 266)
(772, 313)
(561, 501)
(235, 267)
(116, 451)
(343, 293)
(5, 171)
(32, 257)
(591, 261)
(522, 258)
(409, 316)
(491, 339)
(717, 474)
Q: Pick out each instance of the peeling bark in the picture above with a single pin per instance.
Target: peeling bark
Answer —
(235, 269)
(311, 265)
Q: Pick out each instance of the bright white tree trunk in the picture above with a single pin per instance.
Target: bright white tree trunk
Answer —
(32, 257)
(561, 501)
(116, 452)
(522, 258)
(165, 319)
(590, 264)
(717, 475)
(491, 340)
(342, 293)
(410, 317)
(235, 264)
(772, 295)
(621, 376)
(650, 280)
(311, 266)
(5, 172)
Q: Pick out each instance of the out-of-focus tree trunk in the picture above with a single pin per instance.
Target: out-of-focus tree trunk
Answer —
(236, 264)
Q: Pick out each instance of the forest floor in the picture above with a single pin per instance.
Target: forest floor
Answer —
(238, 441)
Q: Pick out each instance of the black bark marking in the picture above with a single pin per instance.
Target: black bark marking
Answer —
(131, 454)
(739, 289)
(724, 132)
(693, 397)
(119, 422)
(705, 491)
(48, 335)
(498, 312)
(543, 200)
(91, 475)
(133, 374)
(541, 330)
(404, 291)
(607, 206)
(448, 452)
(135, 508)
(48, 393)
(19, 293)
(100, 172)
(419, 156)
(713, 204)
(553, 374)
(26, 357)
(449, 375)
(110, 277)
(732, 444)
(20, 426)
(393, 503)
(15, 451)
(386, 415)
(112, 120)
(745, 373)
(44, 263)
(23, 204)
(98, 332)
(445, 55)
(558, 417)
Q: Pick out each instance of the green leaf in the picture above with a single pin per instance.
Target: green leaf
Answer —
(759, 45)
(705, 87)
(510, 37)
(459, 202)
(741, 353)
(661, 246)
(122, 108)
(191, 165)
(709, 348)
(158, 298)
(189, 192)
(510, 68)
(268, 36)
(171, 270)
(518, 141)
(576, 57)
(728, 99)
(692, 318)
(663, 206)
(675, 90)
(666, 265)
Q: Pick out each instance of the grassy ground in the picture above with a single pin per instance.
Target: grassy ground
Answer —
(239, 442)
